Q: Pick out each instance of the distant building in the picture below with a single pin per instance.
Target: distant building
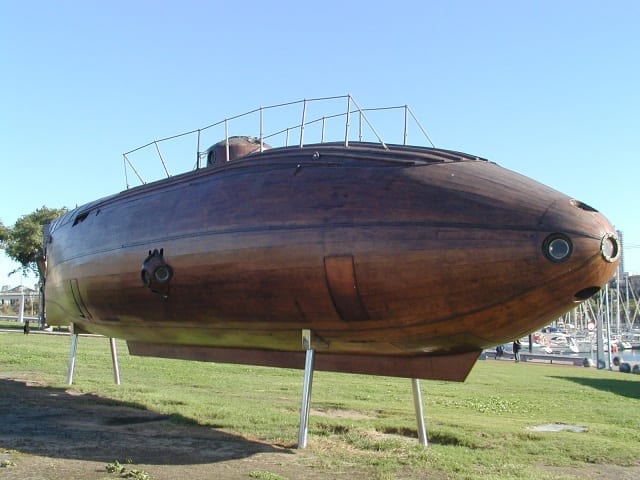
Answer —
(12, 296)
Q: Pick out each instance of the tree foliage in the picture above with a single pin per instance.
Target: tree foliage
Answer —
(4, 235)
(24, 241)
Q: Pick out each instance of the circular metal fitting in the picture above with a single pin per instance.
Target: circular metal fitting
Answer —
(609, 247)
(156, 272)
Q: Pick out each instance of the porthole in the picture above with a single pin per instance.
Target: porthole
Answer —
(557, 247)
(586, 293)
(162, 274)
(582, 206)
(609, 247)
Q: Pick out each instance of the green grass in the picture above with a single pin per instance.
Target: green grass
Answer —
(10, 324)
(476, 429)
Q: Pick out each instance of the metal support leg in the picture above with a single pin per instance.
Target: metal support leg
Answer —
(72, 358)
(21, 310)
(417, 402)
(306, 400)
(306, 390)
(114, 360)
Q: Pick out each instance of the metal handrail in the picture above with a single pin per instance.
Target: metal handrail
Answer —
(352, 108)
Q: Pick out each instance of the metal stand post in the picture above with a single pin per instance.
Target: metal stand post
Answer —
(21, 311)
(417, 402)
(600, 358)
(114, 360)
(72, 358)
(306, 390)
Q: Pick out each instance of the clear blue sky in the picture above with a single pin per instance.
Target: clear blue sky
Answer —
(550, 89)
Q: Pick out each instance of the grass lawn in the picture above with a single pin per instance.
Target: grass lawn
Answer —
(476, 429)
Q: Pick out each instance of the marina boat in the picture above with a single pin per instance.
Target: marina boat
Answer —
(555, 342)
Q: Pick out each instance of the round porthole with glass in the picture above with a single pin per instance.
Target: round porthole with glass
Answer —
(557, 247)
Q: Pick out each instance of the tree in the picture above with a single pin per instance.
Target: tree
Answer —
(24, 241)
(4, 235)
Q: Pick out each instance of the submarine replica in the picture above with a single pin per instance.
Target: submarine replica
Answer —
(388, 259)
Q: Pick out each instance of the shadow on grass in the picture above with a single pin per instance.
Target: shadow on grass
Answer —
(53, 422)
(625, 388)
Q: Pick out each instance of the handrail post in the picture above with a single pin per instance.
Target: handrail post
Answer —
(261, 133)
(226, 137)
(126, 177)
(304, 115)
(198, 152)
(164, 165)
(406, 124)
(346, 127)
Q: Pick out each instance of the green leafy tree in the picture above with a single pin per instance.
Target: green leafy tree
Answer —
(4, 235)
(24, 241)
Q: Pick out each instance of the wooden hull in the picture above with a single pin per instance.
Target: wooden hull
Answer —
(385, 254)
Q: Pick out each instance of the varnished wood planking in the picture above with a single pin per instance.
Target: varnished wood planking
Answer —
(446, 255)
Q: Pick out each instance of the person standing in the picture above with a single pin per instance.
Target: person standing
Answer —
(516, 350)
